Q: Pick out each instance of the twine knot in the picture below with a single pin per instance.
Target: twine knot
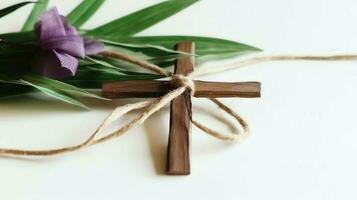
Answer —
(178, 80)
(181, 84)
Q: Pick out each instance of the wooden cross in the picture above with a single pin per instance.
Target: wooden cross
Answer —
(178, 153)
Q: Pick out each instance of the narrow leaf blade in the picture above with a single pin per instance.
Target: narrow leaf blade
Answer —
(140, 47)
(142, 19)
(93, 76)
(19, 37)
(40, 6)
(58, 85)
(83, 12)
(57, 94)
(8, 90)
(10, 9)
(204, 45)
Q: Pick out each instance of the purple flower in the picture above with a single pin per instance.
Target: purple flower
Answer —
(61, 45)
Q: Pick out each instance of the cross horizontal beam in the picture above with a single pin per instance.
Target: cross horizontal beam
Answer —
(178, 151)
(152, 88)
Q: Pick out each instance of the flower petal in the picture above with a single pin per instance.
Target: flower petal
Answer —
(67, 61)
(92, 47)
(72, 45)
(70, 30)
(50, 25)
(48, 64)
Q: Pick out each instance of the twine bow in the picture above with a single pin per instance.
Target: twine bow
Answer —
(182, 83)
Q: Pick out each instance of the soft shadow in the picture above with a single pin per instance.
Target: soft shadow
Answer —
(157, 127)
(214, 145)
(33, 103)
(40, 103)
(107, 104)
(219, 116)
(157, 133)
(33, 159)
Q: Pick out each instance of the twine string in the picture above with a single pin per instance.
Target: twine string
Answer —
(182, 83)
(271, 58)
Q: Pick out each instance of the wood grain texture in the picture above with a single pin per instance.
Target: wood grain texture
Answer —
(136, 89)
(225, 89)
(178, 153)
(203, 89)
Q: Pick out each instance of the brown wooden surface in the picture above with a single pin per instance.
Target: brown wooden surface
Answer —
(178, 153)
(152, 88)
(136, 89)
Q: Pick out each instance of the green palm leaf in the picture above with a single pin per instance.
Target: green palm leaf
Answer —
(19, 37)
(57, 89)
(206, 48)
(7, 89)
(57, 94)
(204, 45)
(37, 10)
(83, 12)
(10, 9)
(142, 19)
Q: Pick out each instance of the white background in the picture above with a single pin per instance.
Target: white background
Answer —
(303, 128)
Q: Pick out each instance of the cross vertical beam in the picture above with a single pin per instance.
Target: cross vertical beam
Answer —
(178, 152)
